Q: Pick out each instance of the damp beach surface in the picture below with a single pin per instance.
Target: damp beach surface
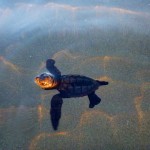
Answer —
(104, 40)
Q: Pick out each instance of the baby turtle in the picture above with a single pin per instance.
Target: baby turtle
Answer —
(68, 86)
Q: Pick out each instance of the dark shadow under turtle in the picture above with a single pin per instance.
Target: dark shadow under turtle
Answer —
(68, 86)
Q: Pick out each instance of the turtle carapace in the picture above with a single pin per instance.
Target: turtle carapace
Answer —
(68, 86)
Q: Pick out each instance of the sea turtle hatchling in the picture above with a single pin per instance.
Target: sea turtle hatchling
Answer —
(68, 86)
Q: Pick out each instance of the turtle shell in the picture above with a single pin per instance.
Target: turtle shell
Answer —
(76, 86)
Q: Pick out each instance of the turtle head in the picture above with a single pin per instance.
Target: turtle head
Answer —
(46, 81)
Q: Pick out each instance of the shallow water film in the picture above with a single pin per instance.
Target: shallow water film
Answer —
(103, 39)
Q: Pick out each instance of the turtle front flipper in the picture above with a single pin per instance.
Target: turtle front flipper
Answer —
(94, 100)
(55, 112)
(52, 68)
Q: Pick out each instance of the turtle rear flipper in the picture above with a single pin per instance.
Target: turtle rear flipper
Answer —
(52, 68)
(55, 112)
(94, 100)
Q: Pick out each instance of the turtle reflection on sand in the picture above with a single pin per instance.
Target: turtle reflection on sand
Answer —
(68, 86)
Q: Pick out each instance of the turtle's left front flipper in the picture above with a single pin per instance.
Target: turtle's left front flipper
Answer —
(55, 112)
(52, 68)
(94, 100)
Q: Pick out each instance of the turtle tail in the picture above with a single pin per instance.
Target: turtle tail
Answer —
(102, 82)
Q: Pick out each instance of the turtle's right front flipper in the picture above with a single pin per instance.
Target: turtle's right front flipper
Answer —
(52, 68)
(55, 112)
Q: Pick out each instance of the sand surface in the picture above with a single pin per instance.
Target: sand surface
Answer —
(108, 41)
